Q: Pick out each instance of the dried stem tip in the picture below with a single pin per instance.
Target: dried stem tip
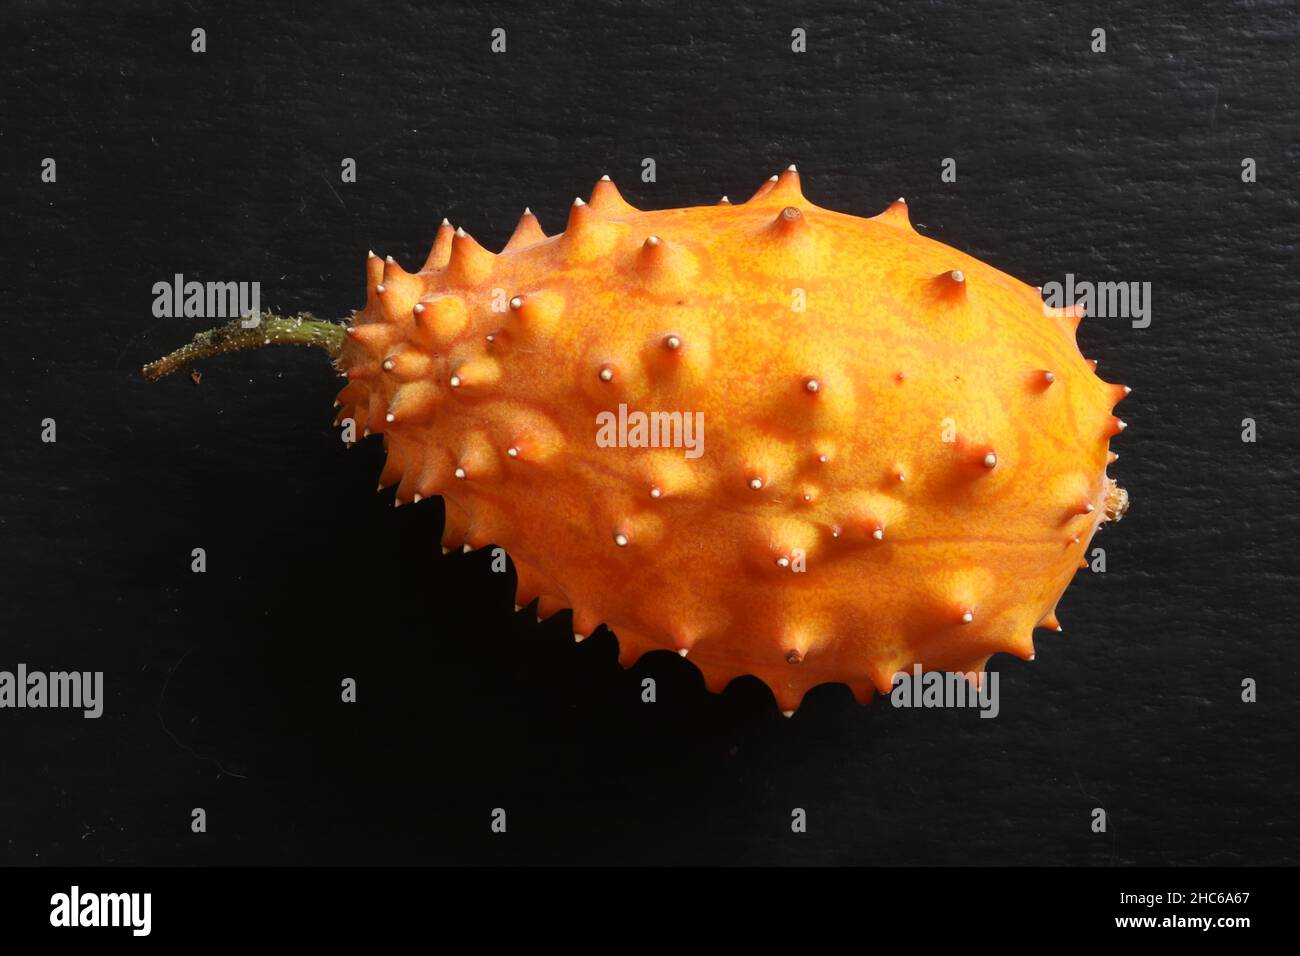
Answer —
(301, 329)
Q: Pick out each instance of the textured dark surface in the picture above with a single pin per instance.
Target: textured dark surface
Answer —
(223, 687)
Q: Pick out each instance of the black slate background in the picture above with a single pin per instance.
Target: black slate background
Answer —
(223, 687)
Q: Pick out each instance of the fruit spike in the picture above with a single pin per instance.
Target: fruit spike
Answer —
(787, 545)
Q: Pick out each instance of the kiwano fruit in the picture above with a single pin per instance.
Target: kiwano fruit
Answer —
(782, 440)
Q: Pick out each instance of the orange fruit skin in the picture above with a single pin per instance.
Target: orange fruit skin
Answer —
(889, 474)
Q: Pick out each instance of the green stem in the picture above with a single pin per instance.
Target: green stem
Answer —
(301, 329)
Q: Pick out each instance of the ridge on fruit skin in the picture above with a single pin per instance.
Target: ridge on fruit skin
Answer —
(908, 468)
